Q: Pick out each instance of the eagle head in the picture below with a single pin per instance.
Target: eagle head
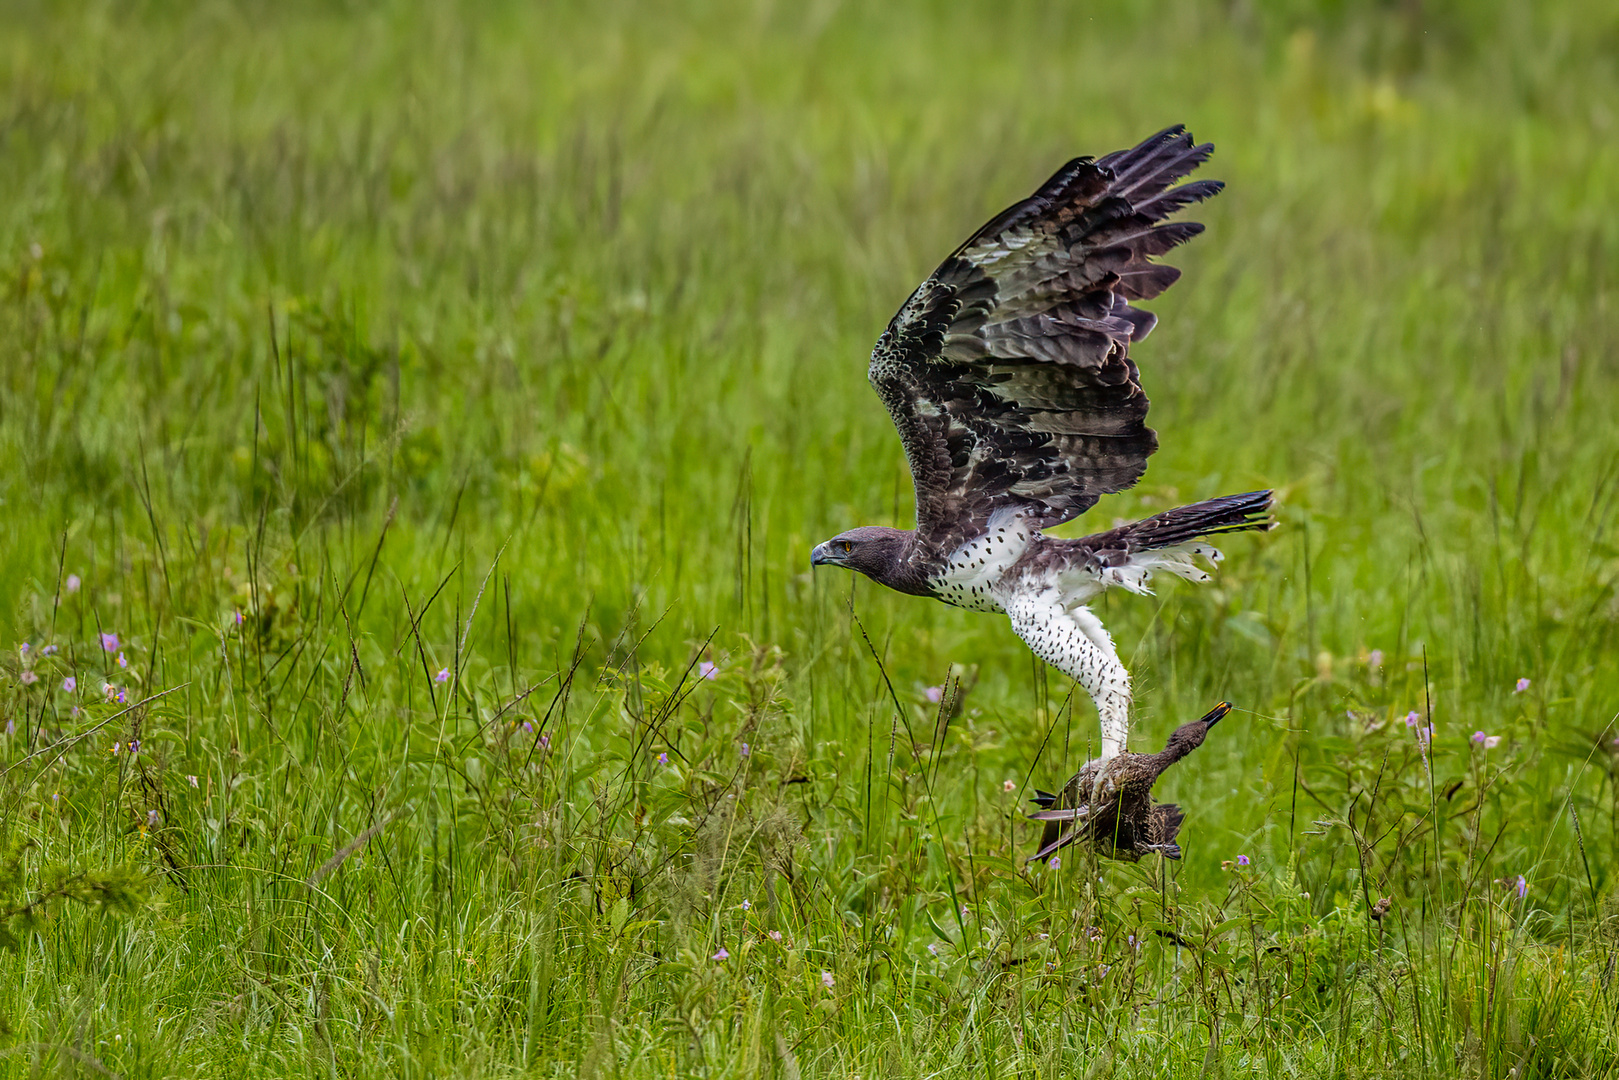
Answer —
(874, 550)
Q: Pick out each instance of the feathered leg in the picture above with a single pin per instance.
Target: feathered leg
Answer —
(1076, 644)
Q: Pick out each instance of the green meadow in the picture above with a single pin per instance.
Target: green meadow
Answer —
(414, 424)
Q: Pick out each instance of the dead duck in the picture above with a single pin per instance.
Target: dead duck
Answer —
(1110, 802)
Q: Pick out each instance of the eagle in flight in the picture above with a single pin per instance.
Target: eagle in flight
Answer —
(1008, 374)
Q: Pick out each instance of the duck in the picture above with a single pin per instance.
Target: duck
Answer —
(1109, 801)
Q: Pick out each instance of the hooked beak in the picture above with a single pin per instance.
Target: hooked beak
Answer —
(1216, 714)
(820, 555)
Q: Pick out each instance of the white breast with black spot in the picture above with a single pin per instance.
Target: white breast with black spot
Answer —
(974, 569)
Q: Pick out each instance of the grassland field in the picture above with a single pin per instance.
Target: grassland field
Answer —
(414, 423)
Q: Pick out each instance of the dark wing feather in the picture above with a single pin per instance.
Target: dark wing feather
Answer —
(1008, 371)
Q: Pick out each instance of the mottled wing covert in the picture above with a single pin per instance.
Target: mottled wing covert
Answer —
(1008, 371)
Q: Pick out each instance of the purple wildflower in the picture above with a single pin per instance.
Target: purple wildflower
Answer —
(1375, 658)
(933, 947)
(151, 819)
(29, 678)
(746, 905)
(238, 616)
(773, 935)
(443, 675)
(134, 747)
(1479, 737)
(827, 980)
(722, 954)
(11, 727)
(528, 726)
(72, 583)
(123, 662)
(123, 696)
(707, 670)
(1055, 862)
(23, 648)
(70, 684)
(1242, 860)
(1411, 718)
(1523, 887)
(109, 642)
(545, 741)
(934, 694)
(746, 749)
(663, 759)
(192, 780)
(1523, 684)
(49, 650)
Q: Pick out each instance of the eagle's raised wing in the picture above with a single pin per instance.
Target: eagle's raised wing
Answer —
(1008, 371)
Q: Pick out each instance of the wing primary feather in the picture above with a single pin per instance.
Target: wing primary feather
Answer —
(1008, 372)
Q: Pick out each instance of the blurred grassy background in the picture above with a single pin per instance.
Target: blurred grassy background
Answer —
(342, 346)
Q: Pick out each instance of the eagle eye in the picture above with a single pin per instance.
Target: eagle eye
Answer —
(845, 546)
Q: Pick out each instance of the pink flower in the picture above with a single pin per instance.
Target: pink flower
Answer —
(1411, 718)
(29, 678)
(70, 684)
(827, 980)
(933, 947)
(1009, 785)
(934, 694)
(722, 954)
(1523, 684)
(443, 675)
(109, 642)
(1479, 737)
(192, 780)
(1055, 862)
(773, 935)
(706, 670)
(1375, 658)
(72, 583)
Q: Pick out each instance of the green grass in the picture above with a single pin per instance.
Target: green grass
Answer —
(339, 348)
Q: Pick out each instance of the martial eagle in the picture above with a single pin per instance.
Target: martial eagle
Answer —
(1009, 377)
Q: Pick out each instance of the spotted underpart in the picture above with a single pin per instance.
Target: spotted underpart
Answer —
(973, 571)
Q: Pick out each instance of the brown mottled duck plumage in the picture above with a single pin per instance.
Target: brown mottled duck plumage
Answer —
(1109, 803)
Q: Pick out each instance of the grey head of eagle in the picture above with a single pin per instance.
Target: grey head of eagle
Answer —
(1009, 378)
